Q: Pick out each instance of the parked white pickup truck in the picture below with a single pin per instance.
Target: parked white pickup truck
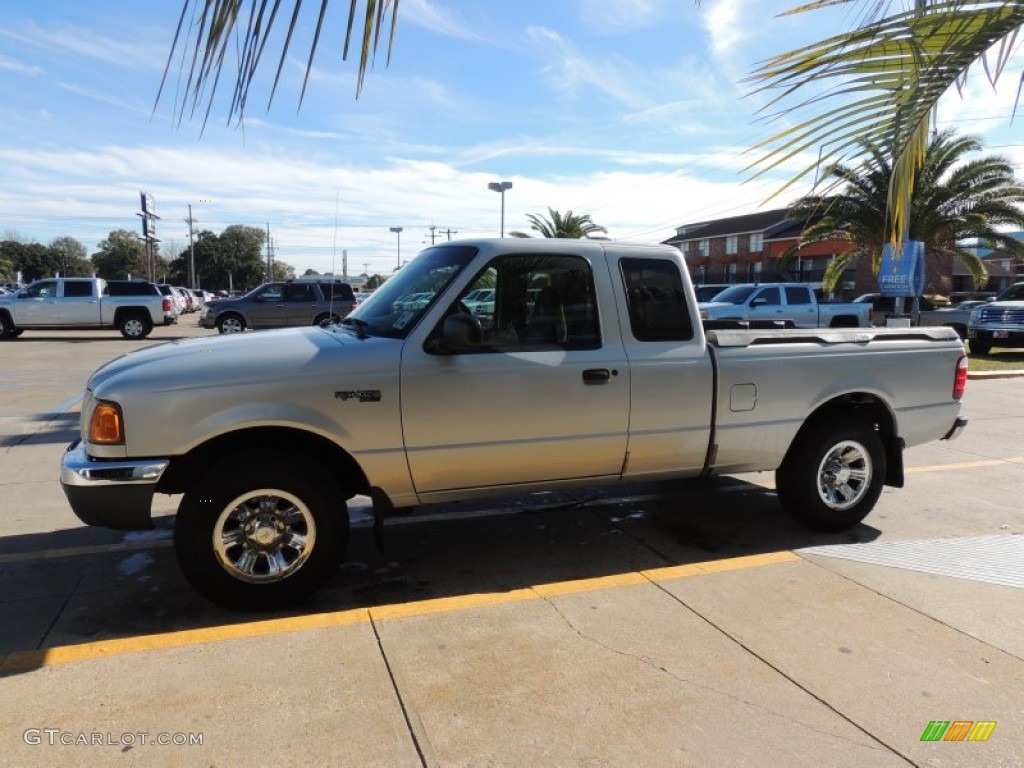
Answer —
(77, 303)
(792, 305)
(594, 368)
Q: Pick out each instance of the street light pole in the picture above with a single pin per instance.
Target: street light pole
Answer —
(502, 187)
(398, 235)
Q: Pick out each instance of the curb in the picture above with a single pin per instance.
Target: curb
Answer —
(994, 374)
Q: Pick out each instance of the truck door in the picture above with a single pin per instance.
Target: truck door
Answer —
(37, 304)
(766, 304)
(671, 381)
(78, 304)
(545, 397)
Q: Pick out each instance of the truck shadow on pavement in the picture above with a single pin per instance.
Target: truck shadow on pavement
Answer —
(59, 428)
(84, 585)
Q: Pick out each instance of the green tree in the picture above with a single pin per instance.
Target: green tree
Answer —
(120, 255)
(954, 199)
(33, 260)
(72, 255)
(558, 225)
(374, 282)
(875, 88)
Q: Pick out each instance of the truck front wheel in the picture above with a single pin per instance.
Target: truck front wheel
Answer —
(258, 535)
(230, 323)
(833, 474)
(7, 330)
(979, 347)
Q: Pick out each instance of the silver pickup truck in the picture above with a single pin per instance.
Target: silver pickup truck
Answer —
(792, 305)
(593, 368)
(77, 303)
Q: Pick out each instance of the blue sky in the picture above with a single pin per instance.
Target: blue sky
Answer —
(633, 111)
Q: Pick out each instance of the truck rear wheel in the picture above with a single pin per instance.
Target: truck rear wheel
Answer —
(259, 535)
(833, 474)
(135, 326)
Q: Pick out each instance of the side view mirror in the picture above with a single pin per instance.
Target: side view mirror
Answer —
(460, 333)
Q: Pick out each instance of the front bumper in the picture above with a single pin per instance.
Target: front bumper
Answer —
(110, 493)
(206, 320)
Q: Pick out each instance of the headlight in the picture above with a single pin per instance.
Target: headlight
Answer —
(106, 427)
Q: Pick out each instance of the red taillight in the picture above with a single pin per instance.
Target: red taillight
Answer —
(167, 304)
(871, 315)
(960, 380)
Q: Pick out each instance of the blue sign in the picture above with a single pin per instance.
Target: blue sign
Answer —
(902, 274)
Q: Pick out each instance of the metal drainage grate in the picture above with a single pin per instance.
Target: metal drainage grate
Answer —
(991, 559)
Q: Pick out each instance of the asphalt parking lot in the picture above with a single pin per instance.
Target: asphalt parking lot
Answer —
(669, 624)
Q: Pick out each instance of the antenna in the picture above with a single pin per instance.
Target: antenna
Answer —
(334, 252)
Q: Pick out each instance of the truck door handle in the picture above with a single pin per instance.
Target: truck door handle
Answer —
(596, 375)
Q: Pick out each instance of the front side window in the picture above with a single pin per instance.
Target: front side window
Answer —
(44, 289)
(528, 302)
(770, 297)
(269, 292)
(656, 300)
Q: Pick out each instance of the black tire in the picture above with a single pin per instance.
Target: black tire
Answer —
(979, 347)
(230, 323)
(833, 474)
(249, 517)
(7, 330)
(136, 326)
(326, 318)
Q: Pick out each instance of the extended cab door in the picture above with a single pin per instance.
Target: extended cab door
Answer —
(671, 378)
(801, 306)
(545, 397)
(79, 305)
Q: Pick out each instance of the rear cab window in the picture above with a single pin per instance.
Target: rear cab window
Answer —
(656, 300)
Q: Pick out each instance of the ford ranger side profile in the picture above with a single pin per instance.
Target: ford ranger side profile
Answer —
(593, 368)
(81, 303)
(793, 305)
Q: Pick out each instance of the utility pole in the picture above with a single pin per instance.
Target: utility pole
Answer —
(193, 283)
(270, 256)
(433, 233)
(449, 232)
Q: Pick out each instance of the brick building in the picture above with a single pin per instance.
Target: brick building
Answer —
(743, 249)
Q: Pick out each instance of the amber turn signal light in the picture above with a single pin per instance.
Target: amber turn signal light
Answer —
(106, 426)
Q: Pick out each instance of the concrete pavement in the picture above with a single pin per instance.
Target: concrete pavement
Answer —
(645, 625)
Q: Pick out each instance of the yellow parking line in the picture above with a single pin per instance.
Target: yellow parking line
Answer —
(23, 661)
(965, 465)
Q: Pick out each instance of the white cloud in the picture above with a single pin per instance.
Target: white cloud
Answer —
(622, 15)
(438, 19)
(13, 65)
(90, 43)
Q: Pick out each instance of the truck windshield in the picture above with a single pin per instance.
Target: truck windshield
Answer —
(735, 295)
(394, 309)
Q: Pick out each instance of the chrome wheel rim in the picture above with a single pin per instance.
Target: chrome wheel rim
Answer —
(844, 475)
(231, 325)
(264, 536)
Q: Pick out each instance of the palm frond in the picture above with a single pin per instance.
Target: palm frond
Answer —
(207, 28)
(886, 76)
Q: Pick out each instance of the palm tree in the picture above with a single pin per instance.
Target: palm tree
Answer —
(569, 226)
(883, 81)
(953, 199)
